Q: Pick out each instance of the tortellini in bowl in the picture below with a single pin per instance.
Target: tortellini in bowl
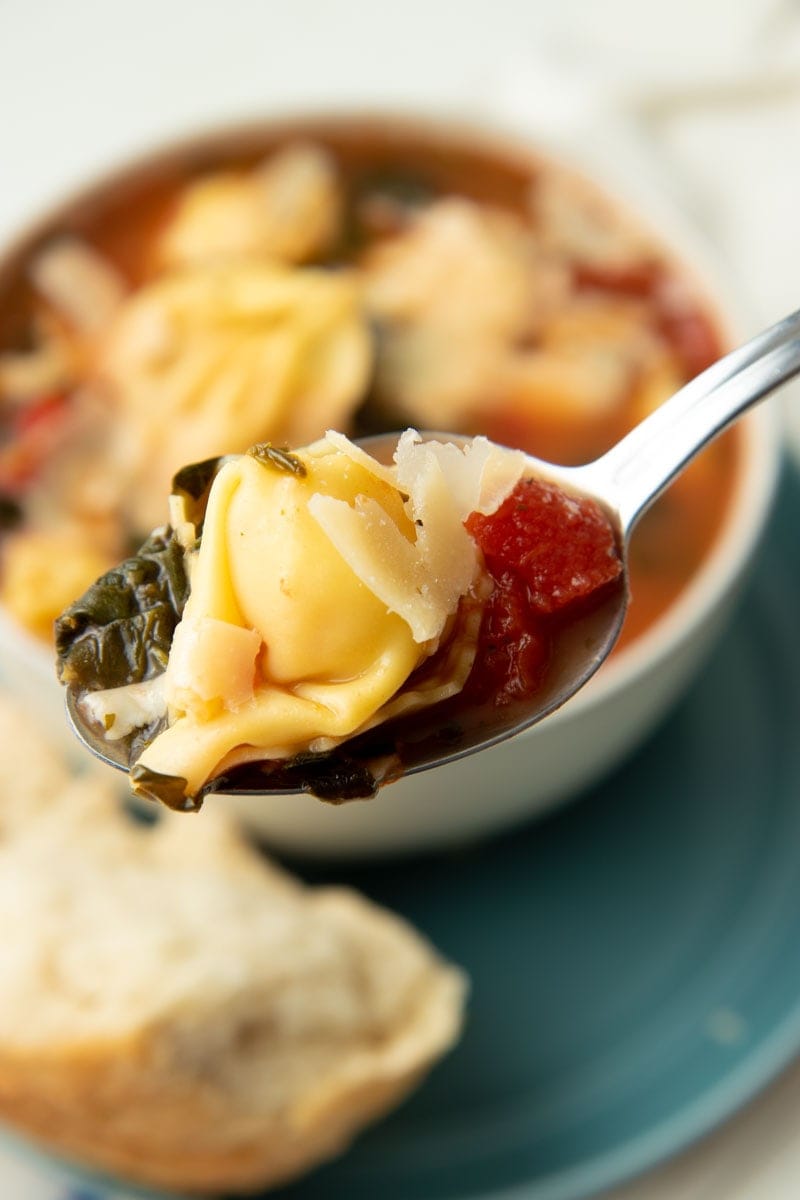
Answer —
(214, 357)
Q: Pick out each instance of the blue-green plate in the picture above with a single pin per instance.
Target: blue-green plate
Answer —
(635, 959)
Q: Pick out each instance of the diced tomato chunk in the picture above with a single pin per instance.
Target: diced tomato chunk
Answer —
(513, 649)
(693, 338)
(561, 546)
(688, 329)
(638, 279)
(34, 434)
(545, 551)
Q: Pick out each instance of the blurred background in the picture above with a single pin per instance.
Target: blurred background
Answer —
(695, 99)
(695, 103)
(702, 97)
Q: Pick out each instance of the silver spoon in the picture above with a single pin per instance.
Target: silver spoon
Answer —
(625, 481)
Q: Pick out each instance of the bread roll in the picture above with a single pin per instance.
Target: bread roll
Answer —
(178, 1011)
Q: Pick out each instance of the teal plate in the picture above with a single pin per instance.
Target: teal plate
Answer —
(635, 958)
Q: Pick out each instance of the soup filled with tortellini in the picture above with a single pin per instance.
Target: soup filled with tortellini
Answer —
(269, 284)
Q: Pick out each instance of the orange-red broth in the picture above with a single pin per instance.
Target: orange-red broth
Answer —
(411, 165)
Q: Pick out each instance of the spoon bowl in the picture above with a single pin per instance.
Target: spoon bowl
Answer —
(624, 481)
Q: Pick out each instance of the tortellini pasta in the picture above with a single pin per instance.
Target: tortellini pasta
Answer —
(288, 210)
(213, 358)
(322, 581)
(462, 276)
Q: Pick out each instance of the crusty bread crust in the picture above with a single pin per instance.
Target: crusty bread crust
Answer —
(179, 1012)
(111, 1109)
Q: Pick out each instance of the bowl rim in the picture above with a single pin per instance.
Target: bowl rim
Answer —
(757, 471)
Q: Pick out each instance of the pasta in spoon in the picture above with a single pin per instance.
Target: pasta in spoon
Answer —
(330, 594)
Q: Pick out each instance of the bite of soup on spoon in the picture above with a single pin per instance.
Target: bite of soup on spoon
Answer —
(324, 620)
(304, 601)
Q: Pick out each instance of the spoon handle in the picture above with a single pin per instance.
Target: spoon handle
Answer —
(635, 471)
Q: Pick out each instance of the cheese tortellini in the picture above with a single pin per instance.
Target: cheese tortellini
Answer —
(460, 276)
(288, 210)
(322, 581)
(215, 357)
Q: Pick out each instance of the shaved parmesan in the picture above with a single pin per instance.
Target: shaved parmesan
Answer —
(423, 580)
(79, 283)
(479, 475)
(343, 445)
(399, 572)
(211, 660)
(120, 710)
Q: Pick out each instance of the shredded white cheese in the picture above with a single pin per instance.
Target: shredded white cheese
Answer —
(118, 711)
(422, 581)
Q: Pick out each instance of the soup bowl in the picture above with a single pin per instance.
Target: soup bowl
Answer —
(575, 746)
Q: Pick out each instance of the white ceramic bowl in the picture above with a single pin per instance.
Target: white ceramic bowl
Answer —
(552, 762)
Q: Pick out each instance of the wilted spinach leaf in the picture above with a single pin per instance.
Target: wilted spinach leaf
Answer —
(335, 777)
(120, 630)
(193, 483)
(169, 789)
(10, 513)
